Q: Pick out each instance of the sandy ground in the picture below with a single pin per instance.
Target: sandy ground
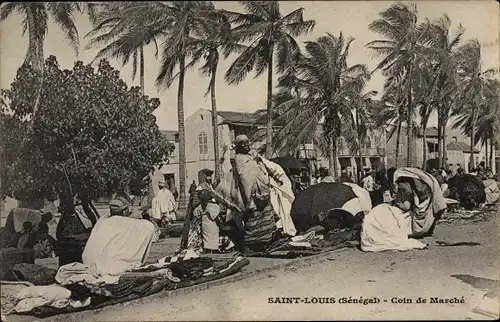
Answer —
(345, 273)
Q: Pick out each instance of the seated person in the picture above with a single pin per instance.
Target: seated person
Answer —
(118, 243)
(43, 243)
(26, 236)
(204, 231)
(146, 216)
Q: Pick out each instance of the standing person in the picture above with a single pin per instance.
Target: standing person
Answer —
(164, 206)
(192, 188)
(173, 190)
(203, 230)
(254, 184)
(26, 236)
(369, 185)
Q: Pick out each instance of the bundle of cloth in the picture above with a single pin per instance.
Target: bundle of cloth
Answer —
(468, 189)
(113, 269)
(491, 190)
(419, 203)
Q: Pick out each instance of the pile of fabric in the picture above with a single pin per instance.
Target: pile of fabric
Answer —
(468, 189)
(312, 243)
(491, 190)
(418, 206)
(77, 287)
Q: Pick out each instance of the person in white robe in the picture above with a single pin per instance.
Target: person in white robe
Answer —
(164, 206)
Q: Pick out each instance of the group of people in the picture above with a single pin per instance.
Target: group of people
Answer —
(29, 229)
(250, 204)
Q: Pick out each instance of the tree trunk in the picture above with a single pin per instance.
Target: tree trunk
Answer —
(492, 144)
(445, 151)
(215, 127)
(182, 135)
(269, 130)
(424, 148)
(440, 138)
(358, 179)
(472, 139)
(397, 143)
(141, 68)
(485, 144)
(35, 54)
(409, 155)
(332, 158)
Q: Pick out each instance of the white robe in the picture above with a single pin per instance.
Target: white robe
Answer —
(163, 204)
(118, 244)
(387, 228)
(282, 196)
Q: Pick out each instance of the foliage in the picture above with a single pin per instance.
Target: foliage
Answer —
(323, 86)
(92, 132)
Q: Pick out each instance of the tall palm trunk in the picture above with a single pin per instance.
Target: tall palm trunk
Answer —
(332, 158)
(485, 144)
(409, 155)
(35, 53)
(492, 146)
(215, 127)
(141, 68)
(182, 134)
(424, 147)
(398, 135)
(472, 139)
(445, 151)
(440, 137)
(359, 148)
(269, 130)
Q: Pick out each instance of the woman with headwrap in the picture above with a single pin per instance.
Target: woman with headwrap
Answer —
(255, 186)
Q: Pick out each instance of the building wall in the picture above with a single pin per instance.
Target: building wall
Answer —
(453, 156)
(403, 151)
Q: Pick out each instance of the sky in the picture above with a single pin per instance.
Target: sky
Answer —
(479, 17)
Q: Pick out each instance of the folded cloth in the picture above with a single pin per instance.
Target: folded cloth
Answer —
(78, 273)
(35, 296)
(300, 244)
(304, 238)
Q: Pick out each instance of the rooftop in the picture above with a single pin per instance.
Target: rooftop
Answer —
(171, 136)
(460, 146)
(238, 118)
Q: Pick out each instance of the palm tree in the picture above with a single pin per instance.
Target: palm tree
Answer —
(476, 89)
(173, 23)
(269, 33)
(391, 113)
(323, 86)
(400, 48)
(112, 30)
(35, 17)
(364, 107)
(441, 51)
(211, 39)
(479, 117)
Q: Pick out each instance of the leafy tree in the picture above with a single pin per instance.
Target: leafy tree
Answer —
(441, 51)
(400, 53)
(476, 88)
(111, 30)
(93, 136)
(269, 33)
(210, 39)
(35, 17)
(323, 86)
(172, 23)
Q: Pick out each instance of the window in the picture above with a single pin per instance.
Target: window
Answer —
(367, 142)
(203, 143)
(341, 143)
(400, 149)
(231, 136)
